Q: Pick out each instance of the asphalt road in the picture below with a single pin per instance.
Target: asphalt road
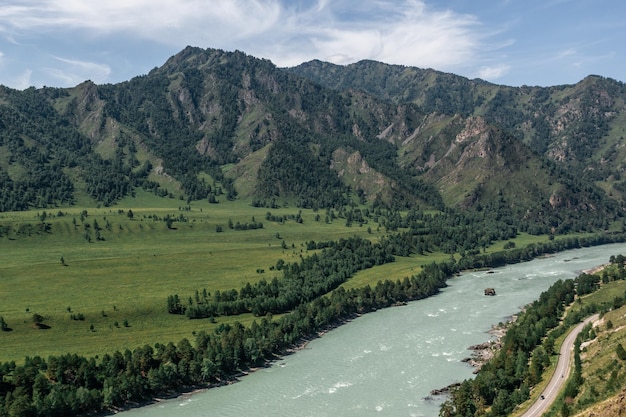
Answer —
(563, 369)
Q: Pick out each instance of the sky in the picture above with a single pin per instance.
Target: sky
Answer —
(61, 43)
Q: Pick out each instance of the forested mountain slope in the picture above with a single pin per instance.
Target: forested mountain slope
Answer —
(581, 126)
(210, 124)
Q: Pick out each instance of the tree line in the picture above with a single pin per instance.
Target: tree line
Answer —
(321, 273)
(301, 282)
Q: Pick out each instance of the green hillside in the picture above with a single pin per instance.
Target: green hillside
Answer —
(211, 124)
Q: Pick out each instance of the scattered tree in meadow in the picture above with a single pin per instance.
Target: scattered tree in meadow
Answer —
(38, 321)
(37, 318)
(3, 325)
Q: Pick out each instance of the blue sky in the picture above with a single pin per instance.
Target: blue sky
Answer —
(61, 43)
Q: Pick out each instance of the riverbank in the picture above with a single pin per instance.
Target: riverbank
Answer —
(595, 269)
(483, 352)
(424, 338)
(302, 343)
(186, 393)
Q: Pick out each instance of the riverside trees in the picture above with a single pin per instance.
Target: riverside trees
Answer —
(71, 384)
(505, 381)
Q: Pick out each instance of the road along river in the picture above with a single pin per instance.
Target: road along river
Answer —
(386, 363)
(561, 373)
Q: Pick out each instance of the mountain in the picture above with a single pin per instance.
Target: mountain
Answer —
(211, 124)
(580, 126)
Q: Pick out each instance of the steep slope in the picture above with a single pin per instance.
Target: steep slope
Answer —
(579, 125)
(476, 165)
(207, 108)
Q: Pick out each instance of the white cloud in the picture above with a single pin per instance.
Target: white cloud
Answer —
(567, 52)
(74, 72)
(151, 19)
(19, 81)
(101, 70)
(63, 78)
(414, 36)
(407, 32)
(492, 73)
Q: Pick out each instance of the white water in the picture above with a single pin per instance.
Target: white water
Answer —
(386, 363)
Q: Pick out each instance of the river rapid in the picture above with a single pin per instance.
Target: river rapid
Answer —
(386, 363)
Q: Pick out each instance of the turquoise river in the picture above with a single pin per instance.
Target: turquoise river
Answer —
(386, 363)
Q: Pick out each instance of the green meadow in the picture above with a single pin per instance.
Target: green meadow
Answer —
(98, 296)
(107, 294)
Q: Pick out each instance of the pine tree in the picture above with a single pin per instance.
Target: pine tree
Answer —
(3, 325)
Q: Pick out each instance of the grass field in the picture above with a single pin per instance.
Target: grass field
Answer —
(120, 284)
(127, 276)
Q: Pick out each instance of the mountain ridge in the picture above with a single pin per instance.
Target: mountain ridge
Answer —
(212, 124)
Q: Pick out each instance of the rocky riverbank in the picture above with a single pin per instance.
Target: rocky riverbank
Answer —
(481, 353)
